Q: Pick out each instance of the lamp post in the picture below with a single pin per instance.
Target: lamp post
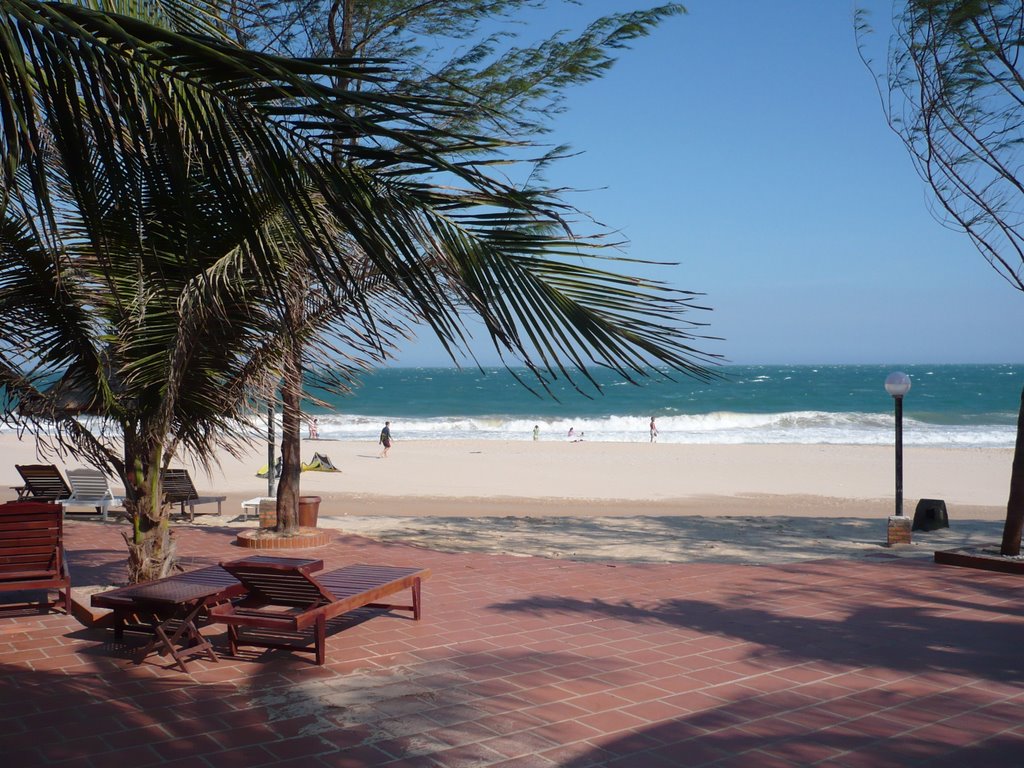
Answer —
(897, 384)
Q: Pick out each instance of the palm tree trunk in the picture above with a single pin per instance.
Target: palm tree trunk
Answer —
(151, 549)
(291, 443)
(1015, 505)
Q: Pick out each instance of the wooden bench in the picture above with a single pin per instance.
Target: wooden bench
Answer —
(32, 551)
(283, 601)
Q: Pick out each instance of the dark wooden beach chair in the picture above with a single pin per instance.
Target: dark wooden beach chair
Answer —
(42, 482)
(179, 489)
(32, 551)
(283, 602)
(171, 610)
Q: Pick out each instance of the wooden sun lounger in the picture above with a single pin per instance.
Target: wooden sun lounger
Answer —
(43, 482)
(173, 608)
(179, 489)
(32, 550)
(283, 601)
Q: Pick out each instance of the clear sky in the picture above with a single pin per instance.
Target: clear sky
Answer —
(746, 142)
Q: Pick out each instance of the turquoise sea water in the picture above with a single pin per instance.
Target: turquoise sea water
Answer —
(961, 405)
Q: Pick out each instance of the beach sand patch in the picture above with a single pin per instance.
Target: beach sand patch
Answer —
(667, 539)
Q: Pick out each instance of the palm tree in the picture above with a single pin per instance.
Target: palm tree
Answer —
(162, 187)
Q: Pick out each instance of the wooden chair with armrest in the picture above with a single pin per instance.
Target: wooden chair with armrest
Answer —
(32, 554)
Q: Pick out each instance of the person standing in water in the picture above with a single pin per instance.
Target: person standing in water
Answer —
(536, 432)
(654, 431)
(385, 439)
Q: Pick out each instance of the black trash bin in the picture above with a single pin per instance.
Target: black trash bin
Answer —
(930, 515)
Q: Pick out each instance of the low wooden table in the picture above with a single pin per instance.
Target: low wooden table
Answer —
(173, 610)
(172, 607)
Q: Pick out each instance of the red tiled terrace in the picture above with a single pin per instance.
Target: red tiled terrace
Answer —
(528, 663)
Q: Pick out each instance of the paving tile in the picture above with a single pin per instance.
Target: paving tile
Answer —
(529, 663)
(528, 761)
(520, 744)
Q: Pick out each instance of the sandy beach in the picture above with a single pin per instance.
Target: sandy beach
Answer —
(621, 501)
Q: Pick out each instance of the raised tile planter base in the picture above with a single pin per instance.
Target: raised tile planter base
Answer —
(982, 559)
(899, 530)
(263, 538)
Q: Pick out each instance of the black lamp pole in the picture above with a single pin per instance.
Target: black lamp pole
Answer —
(897, 384)
(899, 455)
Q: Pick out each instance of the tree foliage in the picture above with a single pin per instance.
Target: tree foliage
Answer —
(161, 186)
(470, 50)
(953, 91)
(464, 51)
(955, 96)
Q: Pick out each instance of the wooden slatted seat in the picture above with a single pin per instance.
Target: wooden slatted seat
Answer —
(179, 489)
(283, 602)
(43, 482)
(32, 550)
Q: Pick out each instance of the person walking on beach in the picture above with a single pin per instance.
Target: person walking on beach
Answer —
(385, 439)
(572, 433)
(314, 430)
(536, 432)
(654, 431)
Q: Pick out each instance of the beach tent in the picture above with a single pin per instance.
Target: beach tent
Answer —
(277, 469)
(319, 463)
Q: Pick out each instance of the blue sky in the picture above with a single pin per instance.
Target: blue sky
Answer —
(746, 142)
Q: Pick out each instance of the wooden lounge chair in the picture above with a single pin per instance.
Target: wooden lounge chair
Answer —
(172, 609)
(32, 550)
(284, 601)
(89, 488)
(179, 489)
(43, 482)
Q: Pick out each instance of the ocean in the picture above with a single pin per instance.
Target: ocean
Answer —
(948, 405)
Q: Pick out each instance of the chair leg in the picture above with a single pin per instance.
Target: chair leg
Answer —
(233, 639)
(417, 598)
(321, 639)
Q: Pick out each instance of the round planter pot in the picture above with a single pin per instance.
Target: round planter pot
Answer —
(309, 509)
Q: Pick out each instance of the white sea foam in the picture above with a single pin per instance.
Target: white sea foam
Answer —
(717, 428)
(807, 427)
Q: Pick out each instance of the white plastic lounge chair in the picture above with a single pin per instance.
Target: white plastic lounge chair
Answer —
(89, 488)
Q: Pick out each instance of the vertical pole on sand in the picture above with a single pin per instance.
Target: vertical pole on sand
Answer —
(899, 456)
(898, 384)
(270, 448)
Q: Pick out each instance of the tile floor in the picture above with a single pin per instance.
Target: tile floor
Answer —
(529, 663)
